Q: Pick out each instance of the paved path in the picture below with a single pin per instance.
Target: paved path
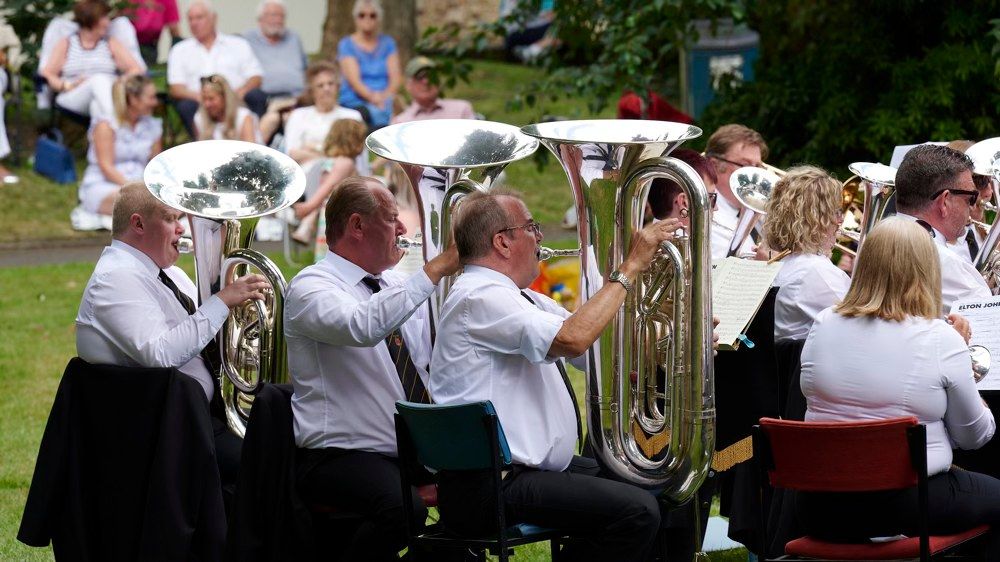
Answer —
(71, 251)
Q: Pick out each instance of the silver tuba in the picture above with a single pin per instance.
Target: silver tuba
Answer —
(445, 159)
(985, 157)
(752, 188)
(225, 187)
(878, 182)
(665, 322)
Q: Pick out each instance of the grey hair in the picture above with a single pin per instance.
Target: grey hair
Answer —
(481, 216)
(203, 3)
(265, 3)
(373, 4)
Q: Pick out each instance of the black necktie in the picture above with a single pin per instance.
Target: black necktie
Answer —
(413, 387)
(970, 241)
(569, 386)
(210, 354)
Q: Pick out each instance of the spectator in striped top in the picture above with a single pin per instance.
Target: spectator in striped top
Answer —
(83, 66)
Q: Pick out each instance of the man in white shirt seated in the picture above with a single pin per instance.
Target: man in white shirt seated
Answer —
(426, 103)
(358, 341)
(209, 52)
(498, 341)
(138, 309)
(934, 187)
(731, 147)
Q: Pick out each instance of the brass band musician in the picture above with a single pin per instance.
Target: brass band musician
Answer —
(731, 147)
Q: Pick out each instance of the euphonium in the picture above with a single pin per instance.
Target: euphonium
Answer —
(445, 159)
(225, 187)
(752, 188)
(985, 157)
(879, 184)
(610, 165)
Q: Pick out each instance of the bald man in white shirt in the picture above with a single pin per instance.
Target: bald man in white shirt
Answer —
(348, 319)
(138, 309)
(934, 187)
(499, 341)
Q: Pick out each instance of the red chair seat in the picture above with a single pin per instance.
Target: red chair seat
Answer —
(904, 548)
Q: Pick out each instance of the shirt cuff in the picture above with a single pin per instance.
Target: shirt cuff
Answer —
(215, 310)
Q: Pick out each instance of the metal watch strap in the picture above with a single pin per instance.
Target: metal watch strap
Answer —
(619, 277)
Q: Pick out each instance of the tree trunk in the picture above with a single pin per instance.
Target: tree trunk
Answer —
(400, 23)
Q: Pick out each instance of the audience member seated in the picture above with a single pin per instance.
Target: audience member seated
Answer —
(528, 40)
(358, 341)
(904, 360)
(221, 115)
(83, 66)
(499, 341)
(424, 95)
(7, 40)
(343, 145)
(308, 126)
(803, 215)
(149, 17)
(120, 145)
(370, 64)
(279, 51)
(138, 309)
(210, 52)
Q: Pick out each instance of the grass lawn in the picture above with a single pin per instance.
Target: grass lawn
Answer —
(38, 209)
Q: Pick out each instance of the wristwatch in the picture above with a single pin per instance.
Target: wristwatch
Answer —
(619, 277)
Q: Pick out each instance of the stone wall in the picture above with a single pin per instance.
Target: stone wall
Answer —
(462, 12)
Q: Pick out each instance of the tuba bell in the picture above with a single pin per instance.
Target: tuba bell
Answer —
(665, 324)
(445, 159)
(985, 157)
(752, 188)
(225, 187)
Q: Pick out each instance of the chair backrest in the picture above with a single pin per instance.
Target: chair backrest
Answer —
(454, 437)
(843, 456)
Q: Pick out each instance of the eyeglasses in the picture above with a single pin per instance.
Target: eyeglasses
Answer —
(368, 15)
(972, 195)
(737, 164)
(532, 227)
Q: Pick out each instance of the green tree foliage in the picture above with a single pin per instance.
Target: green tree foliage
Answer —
(839, 82)
(606, 46)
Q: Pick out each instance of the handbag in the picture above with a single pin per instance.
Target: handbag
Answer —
(52, 159)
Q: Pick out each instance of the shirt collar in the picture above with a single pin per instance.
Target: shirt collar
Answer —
(492, 274)
(137, 254)
(935, 233)
(348, 271)
(434, 107)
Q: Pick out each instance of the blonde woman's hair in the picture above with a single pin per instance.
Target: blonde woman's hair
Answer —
(124, 89)
(345, 138)
(897, 274)
(206, 126)
(803, 206)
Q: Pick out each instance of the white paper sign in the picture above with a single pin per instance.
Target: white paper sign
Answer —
(984, 319)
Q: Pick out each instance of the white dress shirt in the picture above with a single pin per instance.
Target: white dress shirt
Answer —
(346, 385)
(725, 218)
(492, 344)
(807, 284)
(128, 317)
(230, 56)
(959, 279)
(870, 369)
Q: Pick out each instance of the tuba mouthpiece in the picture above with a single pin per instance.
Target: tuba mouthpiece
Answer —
(185, 245)
(404, 243)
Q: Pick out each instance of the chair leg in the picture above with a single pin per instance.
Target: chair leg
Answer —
(554, 550)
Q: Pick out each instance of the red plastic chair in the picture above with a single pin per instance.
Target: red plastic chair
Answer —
(853, 457)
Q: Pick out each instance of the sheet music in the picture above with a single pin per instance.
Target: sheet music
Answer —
(984, 318)
(738, 289)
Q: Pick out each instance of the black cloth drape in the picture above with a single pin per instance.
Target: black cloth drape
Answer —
(126, 469)
(269, 520)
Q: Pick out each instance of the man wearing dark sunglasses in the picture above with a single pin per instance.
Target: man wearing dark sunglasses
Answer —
(934, 187)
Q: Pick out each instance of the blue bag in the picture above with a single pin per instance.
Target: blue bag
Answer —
(52, 159)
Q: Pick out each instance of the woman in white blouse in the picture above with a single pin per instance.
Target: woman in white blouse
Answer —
(222, 116)
(884, 352)
(803, 215)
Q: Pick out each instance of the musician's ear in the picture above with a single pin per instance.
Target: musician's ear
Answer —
(501, 244)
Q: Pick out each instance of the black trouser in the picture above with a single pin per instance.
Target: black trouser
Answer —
(364, 483)
(958, 499)
(609, 520)
(255, 100)
(228, 448)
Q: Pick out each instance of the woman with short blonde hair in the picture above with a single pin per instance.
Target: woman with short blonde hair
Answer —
(885, 352)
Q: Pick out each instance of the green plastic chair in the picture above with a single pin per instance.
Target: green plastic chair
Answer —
(461, 437)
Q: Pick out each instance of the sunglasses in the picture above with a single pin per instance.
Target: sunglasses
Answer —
(531, 226)
(213, 79)
(367, 15)
(972, 195)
